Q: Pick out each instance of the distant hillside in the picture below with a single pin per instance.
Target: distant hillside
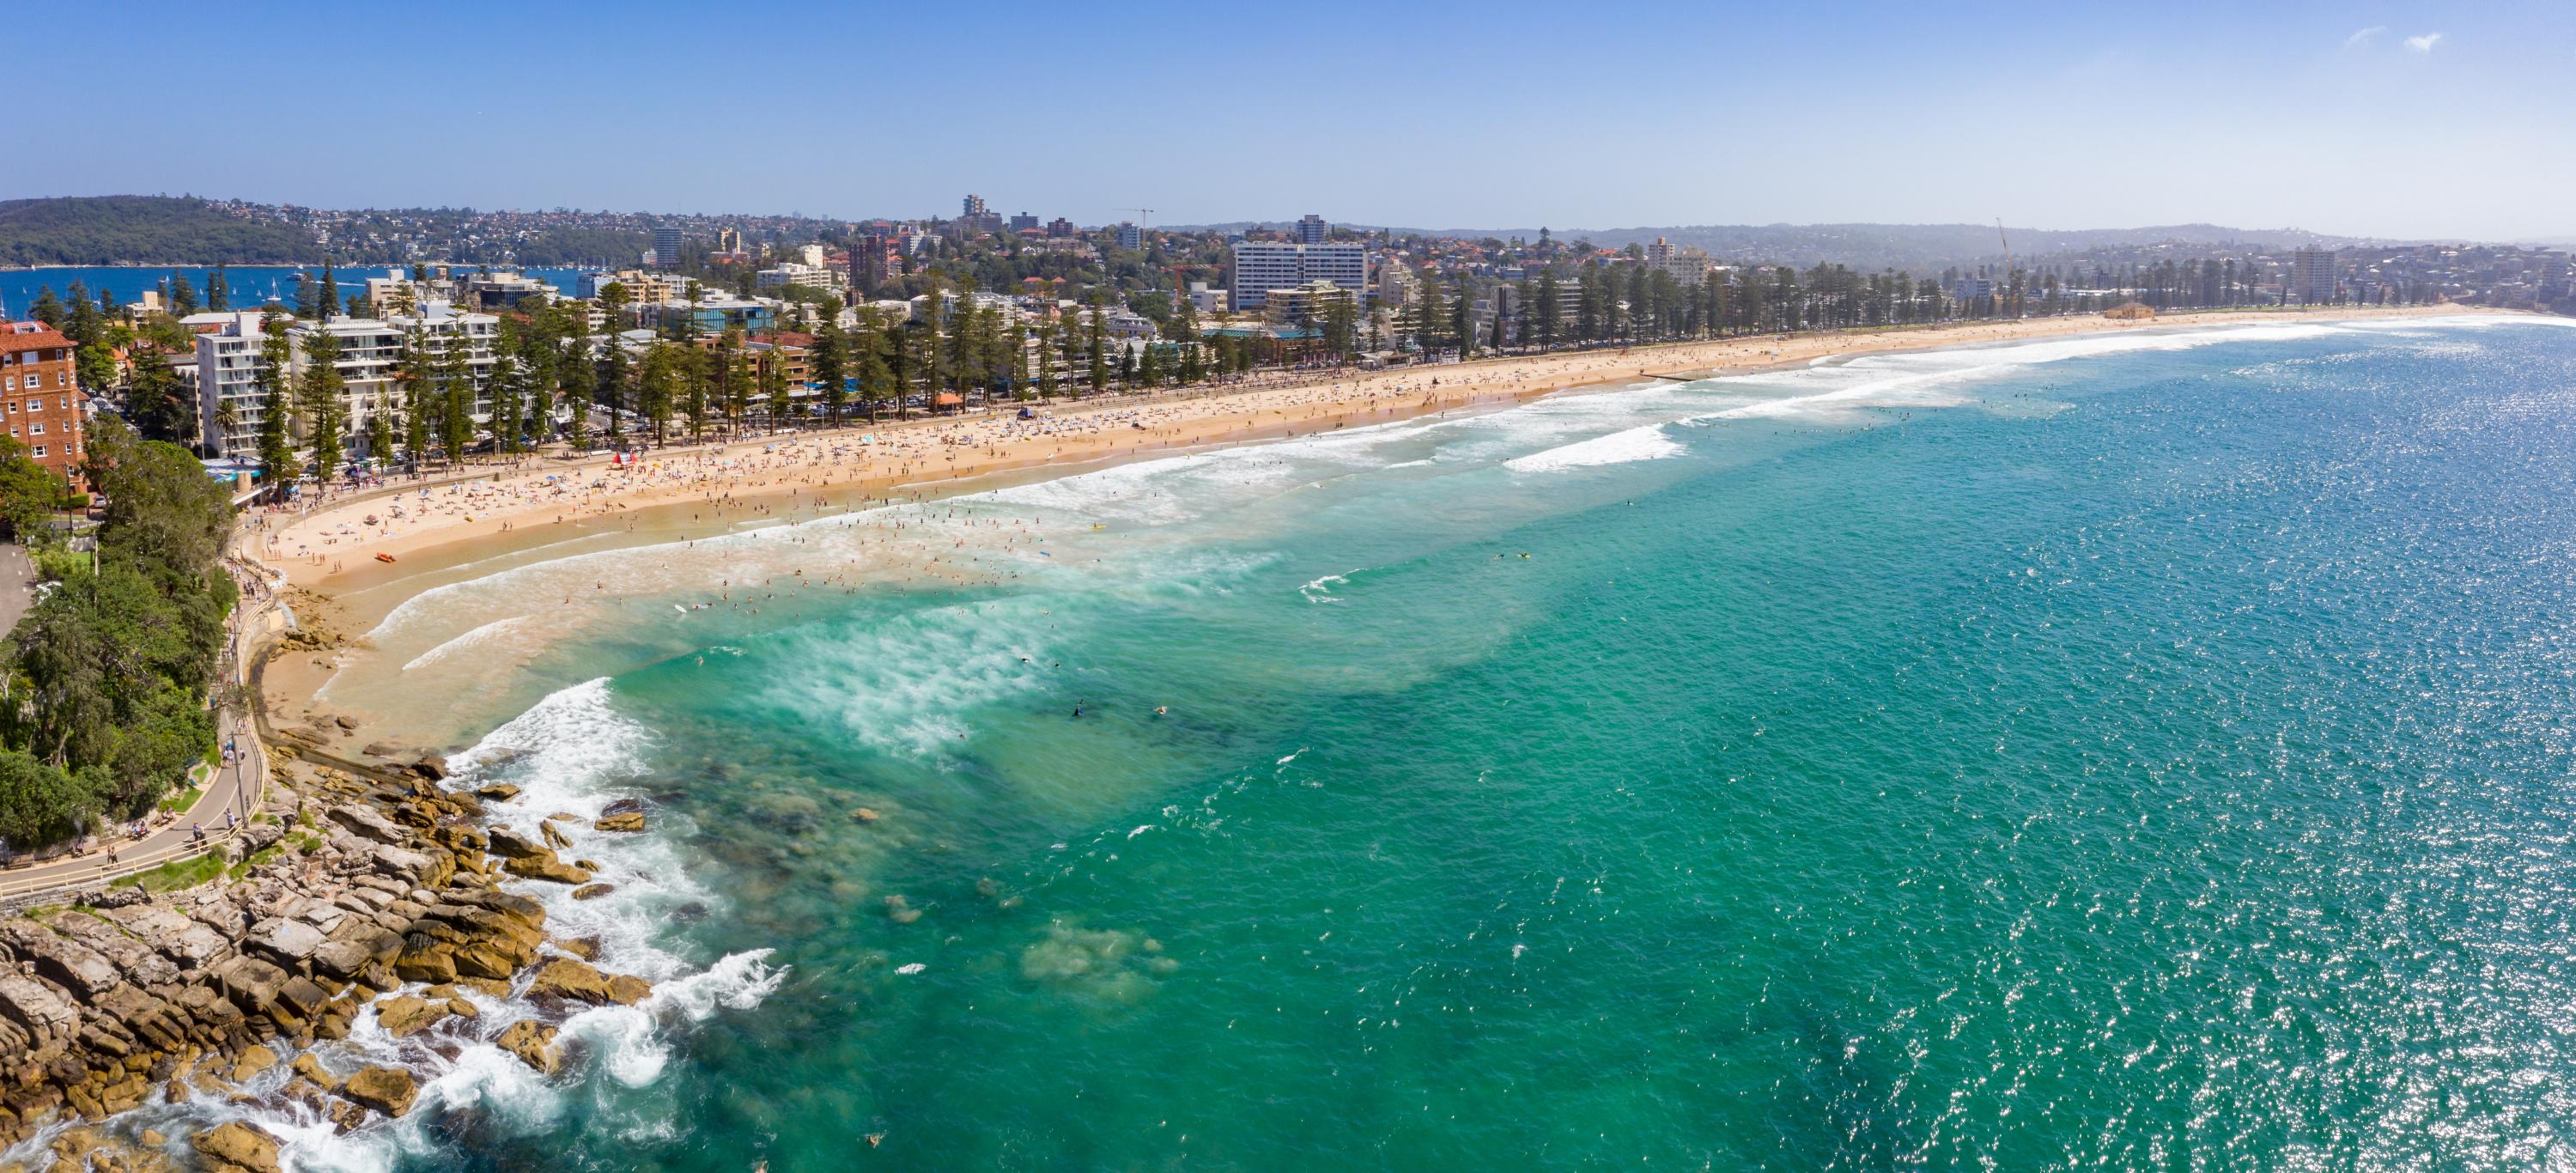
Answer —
(1918, 247)
(119, 230)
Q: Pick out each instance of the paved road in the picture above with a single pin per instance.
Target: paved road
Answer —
(17, 585)
(171, 842)
(224, 793)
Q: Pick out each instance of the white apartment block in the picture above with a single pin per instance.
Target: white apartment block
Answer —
(1688, 266)
(1261, 266)
(2312, 275)
(228, 365)
(794, 273)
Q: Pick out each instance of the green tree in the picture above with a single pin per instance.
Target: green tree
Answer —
(318, 391)
(277, 409)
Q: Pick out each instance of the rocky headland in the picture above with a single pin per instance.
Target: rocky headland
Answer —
(359, 889)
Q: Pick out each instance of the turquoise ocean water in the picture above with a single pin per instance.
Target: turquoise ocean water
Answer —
(2151, 750)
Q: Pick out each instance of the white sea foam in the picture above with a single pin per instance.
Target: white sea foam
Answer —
(572, 751)
(1648, 442)
(478, 637)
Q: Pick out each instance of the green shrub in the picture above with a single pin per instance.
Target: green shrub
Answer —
(176, 874)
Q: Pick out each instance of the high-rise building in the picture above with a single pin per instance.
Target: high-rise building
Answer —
(1688, 266)
(868, 263)
(2312, 275)
(1261, 266)
(1130, 236)
(666, 247)
(1023, 222)
(1312, 229)
(727, 239)
(1059, 228)
(40, 389)
(977, 217)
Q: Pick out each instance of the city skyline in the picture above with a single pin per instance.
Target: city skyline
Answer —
(2393, 121)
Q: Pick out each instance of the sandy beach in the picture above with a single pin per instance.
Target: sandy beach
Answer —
(536, 501)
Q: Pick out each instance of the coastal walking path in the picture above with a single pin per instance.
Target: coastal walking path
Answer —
(233, 788)
(17, 585)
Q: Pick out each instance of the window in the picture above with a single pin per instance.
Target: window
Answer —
(9, 383)
(35, 405)
(40, 452)
(35, 429)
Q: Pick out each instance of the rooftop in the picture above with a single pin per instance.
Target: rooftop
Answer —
(17, 336)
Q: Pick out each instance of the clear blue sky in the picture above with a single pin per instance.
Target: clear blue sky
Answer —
(2438, 120)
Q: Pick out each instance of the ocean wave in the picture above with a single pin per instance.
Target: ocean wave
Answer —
(487, 632)
(1648, 442)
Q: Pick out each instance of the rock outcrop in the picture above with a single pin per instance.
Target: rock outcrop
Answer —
(236, 1147)
(386, 1089)
(109, 1004)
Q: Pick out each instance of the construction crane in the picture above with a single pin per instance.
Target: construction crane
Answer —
(1144, 216)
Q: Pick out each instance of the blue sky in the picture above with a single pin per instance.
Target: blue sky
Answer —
(2418, 120)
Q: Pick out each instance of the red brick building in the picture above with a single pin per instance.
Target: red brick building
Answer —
(41, 402)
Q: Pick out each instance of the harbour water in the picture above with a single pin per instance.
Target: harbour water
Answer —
(2143, 750)
(249, 285)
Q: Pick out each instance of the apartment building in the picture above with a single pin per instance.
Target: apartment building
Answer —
(2312, 275)
(230, 362)
(1261, 266)
(40, 397)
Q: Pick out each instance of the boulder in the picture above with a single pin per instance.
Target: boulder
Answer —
(402, 862)
(288, 942)
(43, 1009)
(60, 960)
(423, 960)
(592, 891)
(627, 989)
(196, 947)
(510, 844)
(626, 821)
(534, 1043)
(497, 792)
(237, 1146)
(553, 836)
(406, 1015)
(366, 823)
(251, 984)
(310, 1069)
(577, 981)
(344, 960)
(547, 868)
(386, 1089)
(137, 961)
(254, 1059)
(431, 766)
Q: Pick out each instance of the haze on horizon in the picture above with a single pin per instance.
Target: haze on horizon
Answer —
(2389, 120)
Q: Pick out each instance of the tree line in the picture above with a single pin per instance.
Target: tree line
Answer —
(107, 675)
